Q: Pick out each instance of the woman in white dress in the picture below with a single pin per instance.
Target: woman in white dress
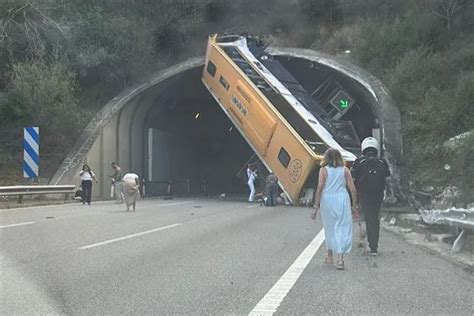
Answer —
(332, 197)
(130, 188)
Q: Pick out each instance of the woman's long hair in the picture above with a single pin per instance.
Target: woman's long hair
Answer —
(332, 158)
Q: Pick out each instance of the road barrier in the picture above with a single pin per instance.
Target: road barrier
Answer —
(461, 218)
(22, 190)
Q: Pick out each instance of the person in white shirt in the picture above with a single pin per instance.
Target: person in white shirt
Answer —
(251, 176)
(130, 187)
(87, 175)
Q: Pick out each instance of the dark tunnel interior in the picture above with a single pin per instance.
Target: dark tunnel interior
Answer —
(202, 143)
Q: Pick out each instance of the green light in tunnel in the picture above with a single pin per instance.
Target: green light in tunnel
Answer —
(342, 101)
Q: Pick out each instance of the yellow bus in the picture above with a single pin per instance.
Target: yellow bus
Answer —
(287, 137)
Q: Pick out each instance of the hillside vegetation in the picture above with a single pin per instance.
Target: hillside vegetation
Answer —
(60, 60)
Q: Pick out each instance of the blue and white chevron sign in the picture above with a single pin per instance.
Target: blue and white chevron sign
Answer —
(31, 152)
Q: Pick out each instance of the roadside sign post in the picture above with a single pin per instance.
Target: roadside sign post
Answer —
(31, 158)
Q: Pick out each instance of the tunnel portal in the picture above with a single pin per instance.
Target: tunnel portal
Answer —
(171, 131)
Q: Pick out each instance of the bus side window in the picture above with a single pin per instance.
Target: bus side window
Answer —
(211, 68)
(284, 157)
(224, 83)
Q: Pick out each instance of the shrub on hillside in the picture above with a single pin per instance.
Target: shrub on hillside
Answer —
(46, 93)
(463, 115)
(417, 72)
(380, 44)
(463, 167)
(428, 123)
(341, 40)
(42, 94)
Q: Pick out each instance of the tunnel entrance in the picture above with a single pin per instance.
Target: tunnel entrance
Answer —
(170, 129)
(191, 144)
(193, 148)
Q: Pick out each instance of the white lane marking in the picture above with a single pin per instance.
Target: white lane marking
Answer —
(129, 236)
(19, 224)
(270, 302)
(252, 206)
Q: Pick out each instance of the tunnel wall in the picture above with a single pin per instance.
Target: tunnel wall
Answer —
(118, 131)
(97, 144)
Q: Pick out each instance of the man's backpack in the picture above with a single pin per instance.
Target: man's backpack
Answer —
(371, 175)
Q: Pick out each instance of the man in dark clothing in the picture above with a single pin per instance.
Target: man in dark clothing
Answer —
(369, 173)
(271, 189)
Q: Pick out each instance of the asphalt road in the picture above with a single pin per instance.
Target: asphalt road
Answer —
(198, 257)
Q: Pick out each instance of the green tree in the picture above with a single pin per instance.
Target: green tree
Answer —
(42, 94)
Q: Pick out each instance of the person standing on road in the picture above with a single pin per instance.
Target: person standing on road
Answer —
(117, 182)
(271, 188)
(370, 173)
(130, 187)
(87, 175)
(251, 176)
(333, 200)
(143, 188)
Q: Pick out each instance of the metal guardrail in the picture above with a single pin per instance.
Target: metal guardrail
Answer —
(457, 217)
(21, 190)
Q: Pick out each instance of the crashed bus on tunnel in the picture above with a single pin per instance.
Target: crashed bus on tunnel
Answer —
(287, 129)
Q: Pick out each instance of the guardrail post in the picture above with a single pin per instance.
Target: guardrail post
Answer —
(460, 241)
(20, 199)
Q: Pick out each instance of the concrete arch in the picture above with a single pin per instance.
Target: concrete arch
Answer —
(119, 130)
(90, 146)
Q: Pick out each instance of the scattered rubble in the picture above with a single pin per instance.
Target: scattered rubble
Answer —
(464, 259)
(446, 238)
(447, 198)
(457, 140)
(437, 231)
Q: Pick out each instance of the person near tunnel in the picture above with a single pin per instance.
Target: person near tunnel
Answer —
(130, 188)
(86, 176)
(117, 182)
(332, 197)
(271, 189)
(370, 173)
(251, 176)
